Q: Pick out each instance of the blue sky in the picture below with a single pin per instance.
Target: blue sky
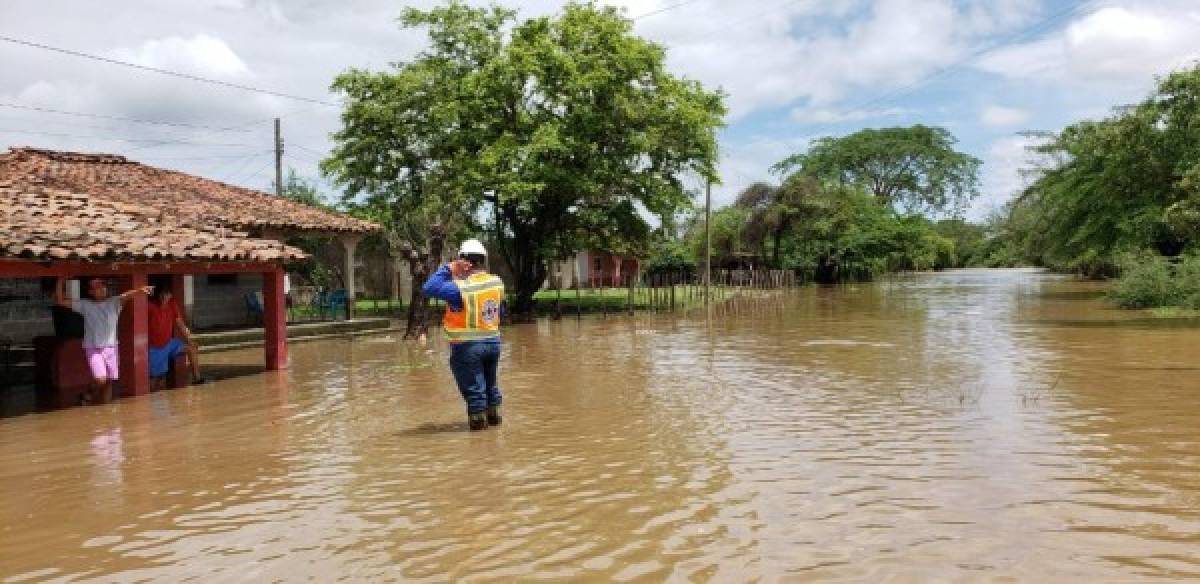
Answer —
(793, 69)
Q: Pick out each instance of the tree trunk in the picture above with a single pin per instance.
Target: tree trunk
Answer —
(528, 275)
(421, 268)
(827, 271)
(775, 255)
(417, 320)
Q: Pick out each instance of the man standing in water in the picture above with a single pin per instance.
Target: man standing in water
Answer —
(100, 317)
(472, 324)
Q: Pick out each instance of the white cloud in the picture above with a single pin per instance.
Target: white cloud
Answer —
(770, 58)
(200, 54)
(750, 161)
(996, 116)
(1121, 43)
(1005, 173)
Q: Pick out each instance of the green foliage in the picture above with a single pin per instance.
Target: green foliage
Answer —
(727, 240)
(557, 129)
(1149, 281)
(1127, 182)
(968, 242)
(827, 233)
(321, 267)
(668, 255)
(915, 169)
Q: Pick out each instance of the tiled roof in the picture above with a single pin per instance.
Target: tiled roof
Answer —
(187, 198)
(44, 223)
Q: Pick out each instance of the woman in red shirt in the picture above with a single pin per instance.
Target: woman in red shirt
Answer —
(165, 320)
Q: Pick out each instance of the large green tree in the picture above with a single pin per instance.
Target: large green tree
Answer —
(1126, 183)
(555, 129)
(916, 169)
(775, 211)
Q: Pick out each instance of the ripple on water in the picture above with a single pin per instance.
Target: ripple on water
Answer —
(950, 426)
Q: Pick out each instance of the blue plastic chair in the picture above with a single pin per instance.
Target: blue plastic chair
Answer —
(338, 300)
(254, 308)
(320, 302)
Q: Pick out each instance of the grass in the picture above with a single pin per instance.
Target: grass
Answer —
(592, 300)
(1174, 312)
(616, 299)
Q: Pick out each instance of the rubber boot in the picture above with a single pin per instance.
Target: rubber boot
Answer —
(493, 416)
(477, 422)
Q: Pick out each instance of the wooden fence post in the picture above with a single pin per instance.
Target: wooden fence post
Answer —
(630, 302)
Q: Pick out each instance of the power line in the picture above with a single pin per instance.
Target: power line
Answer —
(255, 174)
(240, 169)
(113, 118)
(241, 127)
(178, 74)
(94, 137)
(307, 149)
(664, 9)
(218, 157)
(908, 88)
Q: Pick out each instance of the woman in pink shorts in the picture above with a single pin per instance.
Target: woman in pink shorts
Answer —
(100, 316)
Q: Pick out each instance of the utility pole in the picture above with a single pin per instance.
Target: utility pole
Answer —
(278, 160)
(707, 238)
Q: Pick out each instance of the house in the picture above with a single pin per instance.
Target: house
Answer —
(67, 214)
(594, 269)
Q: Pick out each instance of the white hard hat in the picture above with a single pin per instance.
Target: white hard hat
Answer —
(472, 247)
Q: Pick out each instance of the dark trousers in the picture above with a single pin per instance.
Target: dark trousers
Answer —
(474, 366)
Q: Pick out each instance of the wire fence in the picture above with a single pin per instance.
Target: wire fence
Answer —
(657, 292)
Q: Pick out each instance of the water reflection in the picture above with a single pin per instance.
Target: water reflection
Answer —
(949, 426)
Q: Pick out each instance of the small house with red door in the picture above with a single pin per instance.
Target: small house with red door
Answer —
(67, 214)
(598, 268)
(593, 269)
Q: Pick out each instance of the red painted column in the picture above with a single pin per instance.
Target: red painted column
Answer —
(274, 320)
(133, 340)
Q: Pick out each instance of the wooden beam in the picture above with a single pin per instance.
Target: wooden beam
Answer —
(36, 269)
(274, 320)
(349, 244)
(133, 342)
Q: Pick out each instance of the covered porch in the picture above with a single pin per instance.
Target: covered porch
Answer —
(133, 329)
(75, 215)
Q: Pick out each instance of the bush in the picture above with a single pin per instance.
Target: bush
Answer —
(1187, 282)
(1150, 281)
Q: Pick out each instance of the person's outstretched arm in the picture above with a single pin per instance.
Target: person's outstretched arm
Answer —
(128, 295)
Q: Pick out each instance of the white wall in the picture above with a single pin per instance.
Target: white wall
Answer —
(27, 317)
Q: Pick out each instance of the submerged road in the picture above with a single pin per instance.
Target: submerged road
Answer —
(965, 425)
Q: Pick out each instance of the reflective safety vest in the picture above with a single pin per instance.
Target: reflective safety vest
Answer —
(480, 317)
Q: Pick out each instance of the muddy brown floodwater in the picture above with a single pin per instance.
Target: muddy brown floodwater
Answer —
(965, 426)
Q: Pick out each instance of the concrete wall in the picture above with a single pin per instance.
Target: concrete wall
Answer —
(222, 305)
(27, 316)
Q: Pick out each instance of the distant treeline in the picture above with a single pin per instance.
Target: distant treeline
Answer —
(849, 208)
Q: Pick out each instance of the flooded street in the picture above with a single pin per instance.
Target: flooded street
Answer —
(965, 425)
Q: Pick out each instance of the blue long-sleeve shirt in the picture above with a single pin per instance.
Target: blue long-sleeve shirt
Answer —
(441, 285)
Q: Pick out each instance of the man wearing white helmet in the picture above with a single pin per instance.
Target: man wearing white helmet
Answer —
(472, 324)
